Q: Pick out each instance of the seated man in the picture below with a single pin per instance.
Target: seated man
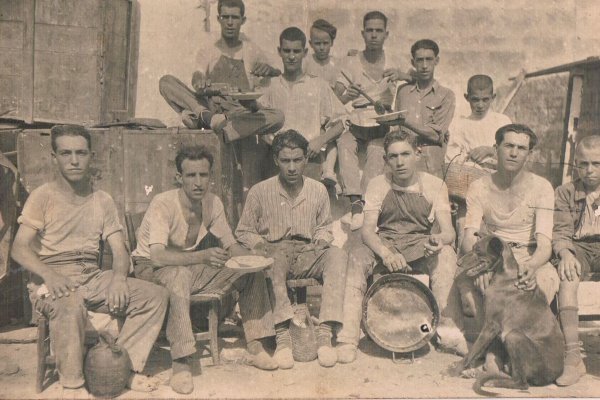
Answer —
(515, 205)
(61, 227)
(309, 104)
(407, 227)
(178, 248)
(287, 217)
(576, 242)
(231, 60)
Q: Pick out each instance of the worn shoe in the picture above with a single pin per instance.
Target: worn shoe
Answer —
(327, 356)
(262, 361)
(218, 122)
(571, 373)
(181, 382)
(346, 353)
(284, 358)
(190, 120)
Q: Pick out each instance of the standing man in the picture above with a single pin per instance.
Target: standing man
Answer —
(62, 224)
(375, 72)
(429, 107)
(309, 104)
(576, 242)
(287, 217)
(515, 205)
(183, 244)
(407, 226)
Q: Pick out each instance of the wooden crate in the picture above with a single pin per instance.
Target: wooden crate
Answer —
(132, 165)
(68, 60)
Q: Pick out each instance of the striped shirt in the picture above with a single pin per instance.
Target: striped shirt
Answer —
(271, 215)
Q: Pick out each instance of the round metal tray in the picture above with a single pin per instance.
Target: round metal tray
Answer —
(400, 313)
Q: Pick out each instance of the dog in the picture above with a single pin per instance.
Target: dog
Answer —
(521, 319)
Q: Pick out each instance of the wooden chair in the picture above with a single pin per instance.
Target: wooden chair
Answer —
(298, 288)
(213, 300)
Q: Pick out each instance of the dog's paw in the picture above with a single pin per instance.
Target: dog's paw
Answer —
(471, 373)
(455, 369)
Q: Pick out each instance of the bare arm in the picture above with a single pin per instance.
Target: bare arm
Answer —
(393, 261)
(161, 256)
(117, 296)
(22, 252)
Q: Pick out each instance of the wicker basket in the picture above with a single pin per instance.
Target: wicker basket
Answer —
(302, 331)
(460, 176)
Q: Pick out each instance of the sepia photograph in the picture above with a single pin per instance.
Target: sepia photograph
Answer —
(299, 199)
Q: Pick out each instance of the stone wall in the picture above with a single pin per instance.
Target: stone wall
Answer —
(484, 36)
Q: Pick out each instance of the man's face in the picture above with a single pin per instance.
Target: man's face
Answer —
(424, 62)
(513, 152)
(231, 21)
(72, 156)
(374, 34)
(587, 162)
(402, 159)
(291, 163)
(194, 178)
(320, 41)
(480, 101)
(292, 53)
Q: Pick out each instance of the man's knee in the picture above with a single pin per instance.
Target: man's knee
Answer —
(445, 262)
(176, 279)
(276, 118)
(347, 142)
(336, 258)
(360, 263)
(166, 84)
(68, 307)
(548, 281)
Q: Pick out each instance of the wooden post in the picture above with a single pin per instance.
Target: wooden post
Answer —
(573, 111)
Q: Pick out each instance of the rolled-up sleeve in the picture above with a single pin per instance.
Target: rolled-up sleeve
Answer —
(111, 223)
(564, 226)
(247, 229)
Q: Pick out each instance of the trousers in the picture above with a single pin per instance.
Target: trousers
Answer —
(67, 318)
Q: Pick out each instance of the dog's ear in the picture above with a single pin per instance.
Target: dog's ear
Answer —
(496, 246)
(506, 259)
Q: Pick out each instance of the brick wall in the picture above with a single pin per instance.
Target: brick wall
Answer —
(483, 36)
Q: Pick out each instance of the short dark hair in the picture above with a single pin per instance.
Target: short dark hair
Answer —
(325, 26)
(231, 4)
(427, 44)
(375, 15)
(291, 139)
(399, 136)
(193, 153)
(480, 82)
(516, 128)
(69, 130)
(292, 34)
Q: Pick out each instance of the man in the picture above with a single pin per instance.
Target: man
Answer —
(374, 72)
(576, 242)
(62, 224)
(407, 227)
(429, 107)
(178, 247)
(309, 104)
(231, 60)
(287, 217)
(515, 205)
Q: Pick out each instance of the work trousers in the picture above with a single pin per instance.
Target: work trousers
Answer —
(241, 122)
(362, 263)
(294, 259)
(360, 139)
(183, 281)
(144, 317)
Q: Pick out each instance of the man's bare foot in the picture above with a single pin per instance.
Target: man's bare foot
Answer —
(75, 393)
(142, 383)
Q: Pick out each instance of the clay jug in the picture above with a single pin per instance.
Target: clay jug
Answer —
(107, 367)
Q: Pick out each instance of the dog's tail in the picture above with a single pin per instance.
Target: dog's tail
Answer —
(496, 379)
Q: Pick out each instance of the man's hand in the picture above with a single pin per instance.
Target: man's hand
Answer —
(214, 257)
(352, 92)
(251, 105)
(482, 281)
(395, 74)
(263, 69)
(117, 296)
(479, 154)
(395, 262)
(199, 81)
(261, 249)
(59, 285)
(569, 266)
(314, 147)
(526, 277)
(434, 246)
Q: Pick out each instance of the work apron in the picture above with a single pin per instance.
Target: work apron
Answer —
(233, 73)
(404, 223)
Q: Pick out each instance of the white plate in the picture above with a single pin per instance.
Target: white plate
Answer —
(248, 263)
(389, 117)
(245, 96)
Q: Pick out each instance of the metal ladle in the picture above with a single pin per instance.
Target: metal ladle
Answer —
(379, 107)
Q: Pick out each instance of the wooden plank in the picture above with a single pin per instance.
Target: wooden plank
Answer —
(69, 13)
(11, 10)
(11, 64)
(11, 35)
(27, 80)
(10, 89)
(571, 120)
(66, 39)
(34, 161)
(133, 50)
(107, 147)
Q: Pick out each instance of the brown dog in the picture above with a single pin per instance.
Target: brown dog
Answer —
(521, 319)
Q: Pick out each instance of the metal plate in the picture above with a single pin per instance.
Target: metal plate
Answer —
(400, 313)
